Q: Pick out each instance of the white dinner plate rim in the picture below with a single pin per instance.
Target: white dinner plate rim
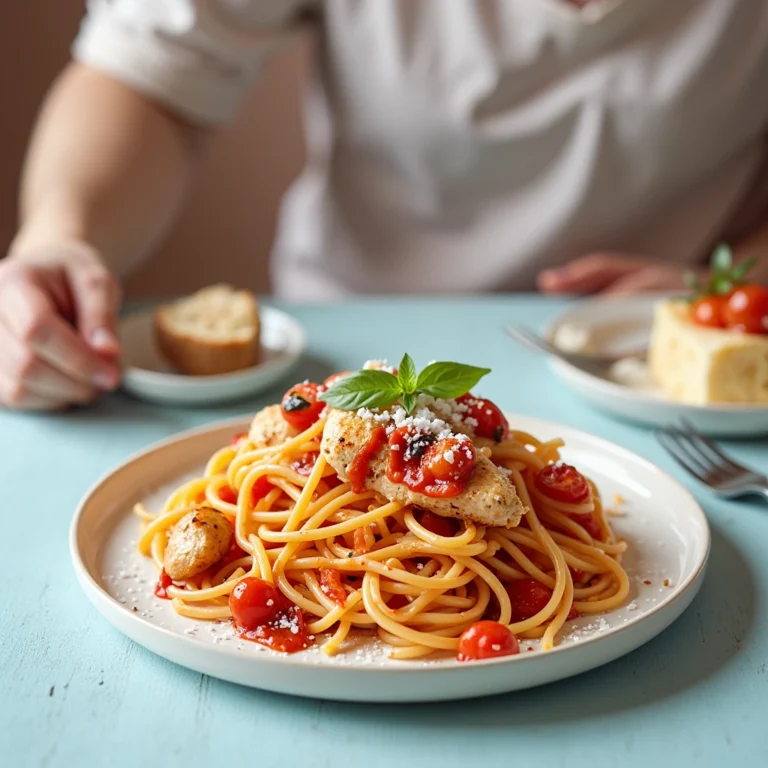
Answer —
(268, 315)
(96, 592)
(637, 396)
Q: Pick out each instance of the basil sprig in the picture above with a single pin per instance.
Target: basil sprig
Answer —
(376, 389)
(724, 276)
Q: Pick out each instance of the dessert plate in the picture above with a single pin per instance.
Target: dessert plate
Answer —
(613, 326)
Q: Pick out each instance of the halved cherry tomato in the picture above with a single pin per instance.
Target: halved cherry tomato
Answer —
(254, 602)
(334, 377)
(331, 585)
(747, 309)
(486, 640)
(708, 311)
(260, 488)
(562, 482)
(300, 406)
(450, 459)
(437, 524)
(528, 597)
(491, 422)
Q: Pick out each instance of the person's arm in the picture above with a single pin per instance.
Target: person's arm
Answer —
(106, 167)
(105, 176)
(623, 273)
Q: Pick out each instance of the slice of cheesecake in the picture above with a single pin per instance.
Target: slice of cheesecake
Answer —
(699, 366)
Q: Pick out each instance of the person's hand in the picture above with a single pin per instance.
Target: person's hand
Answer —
(613, 273)
(58, 308)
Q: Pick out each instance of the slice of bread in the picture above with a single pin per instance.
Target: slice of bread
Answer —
(216, 330)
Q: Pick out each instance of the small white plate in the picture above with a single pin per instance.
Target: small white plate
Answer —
(616, 326)
(148, 376)
(666, 529)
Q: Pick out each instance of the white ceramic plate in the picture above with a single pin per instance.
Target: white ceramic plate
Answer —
(149, 377)
(611, 326)
(666, 529)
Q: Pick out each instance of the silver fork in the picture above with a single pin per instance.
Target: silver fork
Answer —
(598, 364)
(702, 458)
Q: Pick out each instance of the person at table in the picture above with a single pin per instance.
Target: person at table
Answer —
(581, 146)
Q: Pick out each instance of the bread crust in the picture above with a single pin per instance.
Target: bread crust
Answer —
(195, 356)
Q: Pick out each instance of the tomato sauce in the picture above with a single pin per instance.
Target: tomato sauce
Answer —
(331, 586)
(358, 469)
(161, 588)
(408, 464)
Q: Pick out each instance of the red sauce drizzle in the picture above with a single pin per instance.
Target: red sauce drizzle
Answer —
(407, 466)
(358, 469)
(286, 632)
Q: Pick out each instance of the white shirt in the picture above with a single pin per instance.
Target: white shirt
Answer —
(464, 145)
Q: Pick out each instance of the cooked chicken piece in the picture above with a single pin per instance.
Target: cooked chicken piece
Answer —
(270, 428)
(200, 539)
(488, 499)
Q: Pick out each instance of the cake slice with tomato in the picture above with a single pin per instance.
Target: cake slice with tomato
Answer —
(713, 347)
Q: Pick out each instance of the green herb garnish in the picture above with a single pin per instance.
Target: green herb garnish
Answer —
(724, 276)
(375, 389)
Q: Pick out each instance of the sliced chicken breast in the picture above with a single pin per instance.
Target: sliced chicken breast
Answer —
(488, 499)
(270, 428)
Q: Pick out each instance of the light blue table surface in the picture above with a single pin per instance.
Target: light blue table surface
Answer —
(74, 691)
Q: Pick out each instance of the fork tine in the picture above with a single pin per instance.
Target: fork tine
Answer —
(671, 444)
(529, 339)
(711, 449)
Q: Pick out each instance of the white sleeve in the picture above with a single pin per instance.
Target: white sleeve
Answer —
(197, 57)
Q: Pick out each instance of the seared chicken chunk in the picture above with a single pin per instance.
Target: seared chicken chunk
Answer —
(489, 497)
(270, 428)
(200, 539)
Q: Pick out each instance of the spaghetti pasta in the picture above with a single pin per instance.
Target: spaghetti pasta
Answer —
(349, 560)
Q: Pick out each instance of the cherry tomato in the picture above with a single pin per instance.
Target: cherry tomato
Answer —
(708, 311)
(747, 309)
(437, 524)
(528, 597)
(450, 459)
(486, 640)
(300, 406)
(238, 438)
(254, 602)
(590, 524)
(562, 482)
(334, 377)
(491, 422)
(227, 494)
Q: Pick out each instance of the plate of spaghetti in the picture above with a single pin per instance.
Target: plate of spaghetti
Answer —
(383, 522)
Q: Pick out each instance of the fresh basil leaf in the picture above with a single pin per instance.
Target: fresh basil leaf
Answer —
(409, 401)
(449, 379)
(406, 374)
(722, 258)
(741, 270)
(363, 389)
